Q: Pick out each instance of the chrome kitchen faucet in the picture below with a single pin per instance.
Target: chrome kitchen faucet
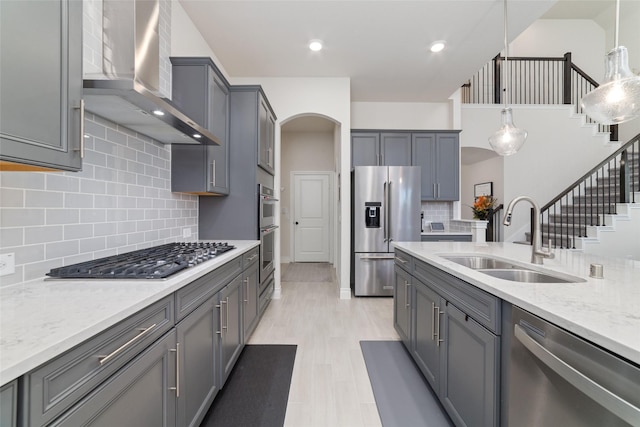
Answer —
(537, 254)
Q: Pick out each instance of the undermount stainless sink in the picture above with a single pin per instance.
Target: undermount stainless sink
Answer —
(505, 270)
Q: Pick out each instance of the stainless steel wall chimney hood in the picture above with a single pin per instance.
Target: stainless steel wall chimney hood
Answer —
(127, 90)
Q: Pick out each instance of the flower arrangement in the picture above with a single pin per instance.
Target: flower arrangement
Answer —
(482, 206)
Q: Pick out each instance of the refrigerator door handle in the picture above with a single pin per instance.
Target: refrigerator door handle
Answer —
(385, 209)
(388, 202)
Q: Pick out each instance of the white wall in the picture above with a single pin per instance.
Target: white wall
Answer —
(585, 39)
(300, 151)
(557, 152)
(401, 115)
(491, 170)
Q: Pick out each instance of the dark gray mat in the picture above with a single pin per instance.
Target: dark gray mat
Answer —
(257, 389)
(403, 397)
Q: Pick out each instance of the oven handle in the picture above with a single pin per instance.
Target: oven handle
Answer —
(595, 391)
(269, 229)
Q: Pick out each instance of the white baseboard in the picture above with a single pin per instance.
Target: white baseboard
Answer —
(285, 260)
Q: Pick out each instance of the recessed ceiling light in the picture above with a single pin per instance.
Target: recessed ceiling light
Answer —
(197, 136)
(315, 45)
(158, 112)
(437, 46)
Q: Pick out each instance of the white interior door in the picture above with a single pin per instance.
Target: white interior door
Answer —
(311, 220)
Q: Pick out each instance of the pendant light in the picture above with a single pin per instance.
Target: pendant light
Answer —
(617, 99)
(508, 139)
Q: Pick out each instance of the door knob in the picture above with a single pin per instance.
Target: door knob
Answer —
(296, 222)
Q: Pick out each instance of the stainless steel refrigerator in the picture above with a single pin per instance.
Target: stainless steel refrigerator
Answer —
(385, 208)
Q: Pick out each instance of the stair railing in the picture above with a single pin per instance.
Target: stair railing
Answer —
(586, 202)
(494, 225)
(543, 80)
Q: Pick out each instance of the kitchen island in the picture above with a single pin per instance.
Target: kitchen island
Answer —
(604, 311)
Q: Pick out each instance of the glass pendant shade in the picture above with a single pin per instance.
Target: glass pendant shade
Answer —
(617, 99)
(508, 139)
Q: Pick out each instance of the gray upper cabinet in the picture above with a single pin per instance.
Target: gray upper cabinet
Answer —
(41, 85)
(369, 148)
(438, 154)
(266, 137)
(395, 149)
(201, 92)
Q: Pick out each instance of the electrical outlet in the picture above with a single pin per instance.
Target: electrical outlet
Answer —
(186, 233)
(7, 264)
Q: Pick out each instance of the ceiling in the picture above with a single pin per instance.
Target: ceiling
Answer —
(381, 45)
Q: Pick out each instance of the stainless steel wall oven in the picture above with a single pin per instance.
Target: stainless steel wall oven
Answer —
(267, 206)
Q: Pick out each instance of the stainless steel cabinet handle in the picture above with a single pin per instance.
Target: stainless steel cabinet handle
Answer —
(434, 191)
(219, 307)
(400, 260)
(438, 190)
(433, 321)
(595, 391)
(246, 282)
(212, 180)
(177, 352)
(406, 293)
(81, 108)
(226, 310)
(438, 313)
(252, 257)
(144, 331)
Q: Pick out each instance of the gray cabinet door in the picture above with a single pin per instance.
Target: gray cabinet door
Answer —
(230, 311)
(425, 337)
(141, 394)
(470, 369)
(41, 85)
(439, 157)
(266, 137)
(197, 360)
(395, 149)
(201, 93)
(251, 308)
(423, 152)
(448, 166)
(365, 149)
(9, 404)
(402, 305)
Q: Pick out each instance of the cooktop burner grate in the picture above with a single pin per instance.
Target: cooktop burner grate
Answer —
(157, 262)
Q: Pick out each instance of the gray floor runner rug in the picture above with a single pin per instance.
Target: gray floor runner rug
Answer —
(403, 397)
(257, 389)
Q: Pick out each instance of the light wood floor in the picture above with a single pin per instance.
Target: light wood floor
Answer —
(330, 385)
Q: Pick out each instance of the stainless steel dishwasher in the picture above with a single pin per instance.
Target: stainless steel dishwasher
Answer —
(558, 379)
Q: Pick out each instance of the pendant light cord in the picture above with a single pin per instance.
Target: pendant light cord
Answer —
(617, 22)
(506, 58)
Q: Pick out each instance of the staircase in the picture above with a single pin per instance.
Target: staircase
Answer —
(595, 203)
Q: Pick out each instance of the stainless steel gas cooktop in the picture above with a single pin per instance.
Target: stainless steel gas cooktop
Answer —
(157, 262)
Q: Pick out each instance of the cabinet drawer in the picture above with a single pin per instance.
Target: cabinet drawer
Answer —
(54, 387)
(403, 260)
(250, 257)
(198, 291)
(480, 305)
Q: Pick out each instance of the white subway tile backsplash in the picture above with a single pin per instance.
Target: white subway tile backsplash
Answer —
(50, 233)
(120, 201)
(21, 217)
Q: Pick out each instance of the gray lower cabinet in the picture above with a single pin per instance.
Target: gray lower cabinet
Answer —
(230, 331)
(201, 92)
(455, 342)
(41, 85)
(251, 308)
(438, 154)
(198, 359)
(141, 394)
(9, 404)
(402, 304)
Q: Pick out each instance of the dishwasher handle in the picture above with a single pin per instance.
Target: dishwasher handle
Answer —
(612, 402)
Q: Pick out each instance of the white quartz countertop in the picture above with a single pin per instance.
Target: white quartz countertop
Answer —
(604, 311)
(42, 319)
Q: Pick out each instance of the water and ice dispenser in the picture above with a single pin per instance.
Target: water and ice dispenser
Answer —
(372, 214)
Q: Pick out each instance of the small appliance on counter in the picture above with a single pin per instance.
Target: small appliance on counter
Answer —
(157, 262)
(436, 226)
(385, 208)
